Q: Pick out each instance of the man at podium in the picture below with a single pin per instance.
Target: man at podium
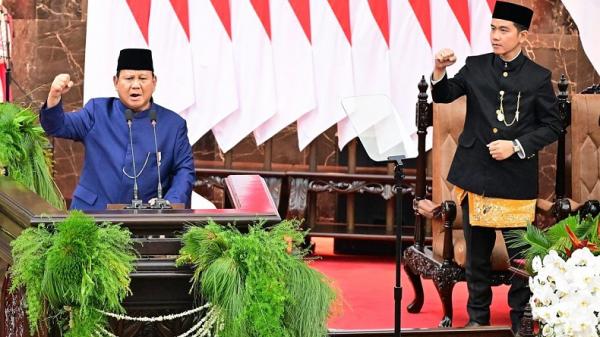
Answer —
(128, 140)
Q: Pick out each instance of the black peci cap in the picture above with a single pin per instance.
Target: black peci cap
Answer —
(513, 12)
(135, 59)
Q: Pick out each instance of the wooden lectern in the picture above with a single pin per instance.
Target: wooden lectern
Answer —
(157, 286)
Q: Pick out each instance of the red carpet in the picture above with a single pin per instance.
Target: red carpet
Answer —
(367, 284)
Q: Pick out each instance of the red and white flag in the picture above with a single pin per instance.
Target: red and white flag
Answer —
(168, 37)
(370, 55)
(253, 57)
(585, 13)
(103, 42)
(332, 57)
(292, 57)
(213, 68)
(6, 36)
(139, 24)
(451, 27)
(481, 19)
(255, 66)
(411, 58)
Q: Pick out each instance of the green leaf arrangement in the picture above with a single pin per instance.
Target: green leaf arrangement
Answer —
(258, 281)
(70, 270)
(22, 152)
(565, 236)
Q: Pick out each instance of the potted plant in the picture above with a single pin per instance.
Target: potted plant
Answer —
(564, 263)
(23, 147)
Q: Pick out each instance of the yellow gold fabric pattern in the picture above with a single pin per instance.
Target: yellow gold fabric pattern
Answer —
(497, 212)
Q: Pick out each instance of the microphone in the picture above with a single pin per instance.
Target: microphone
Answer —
(135, 202)
(159, 202)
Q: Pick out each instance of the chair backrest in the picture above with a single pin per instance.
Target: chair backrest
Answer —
(448, 123)
(585, 147)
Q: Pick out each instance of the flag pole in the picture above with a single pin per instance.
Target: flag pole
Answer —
(6, 50)
(7, 60)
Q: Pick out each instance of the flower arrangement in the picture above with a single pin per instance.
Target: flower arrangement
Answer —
(564, 261)
(23, 152)
(71, 270)
(566, 294)
(258, 282)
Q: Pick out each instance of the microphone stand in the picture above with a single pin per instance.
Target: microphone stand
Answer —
(159, 203)
(398, 178)
(135, 202)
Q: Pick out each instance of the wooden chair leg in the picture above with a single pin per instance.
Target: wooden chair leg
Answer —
(444, 280)
(416, 305)
(526, 328)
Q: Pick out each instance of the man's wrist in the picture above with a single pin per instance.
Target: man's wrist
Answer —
(515, 146)
(52, 101)
(436, 79)
(438, 74)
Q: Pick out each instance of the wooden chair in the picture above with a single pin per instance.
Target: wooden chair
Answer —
(444, 261)
(585, 151)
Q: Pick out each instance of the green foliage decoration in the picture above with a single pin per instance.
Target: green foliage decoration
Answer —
(71, 269)
(564, 237)
(22, 152)
(259, 281)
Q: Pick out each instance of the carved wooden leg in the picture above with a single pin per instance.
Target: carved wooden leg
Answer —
(444, 280)
(526, 328)
(416, 305)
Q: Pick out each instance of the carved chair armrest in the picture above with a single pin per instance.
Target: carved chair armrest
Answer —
(561, 208)
(591, 207)
(448, 214)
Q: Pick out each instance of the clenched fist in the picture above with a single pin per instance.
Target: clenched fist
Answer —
(443, 58)
(61, 85)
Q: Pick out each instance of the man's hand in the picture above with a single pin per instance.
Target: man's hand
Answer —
(428, 208)
(61, 85)
(444, 58)
(501, 149)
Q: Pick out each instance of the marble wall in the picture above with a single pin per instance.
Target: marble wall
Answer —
(50, 39)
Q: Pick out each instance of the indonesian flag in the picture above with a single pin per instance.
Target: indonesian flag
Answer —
(481, 19)
(411, 58)
(158, 25)
(451, 27)
(169, 39)
(213, 67)
(332, 57)
(292, 57)
(585, 13)
(103, 43)
(6, 36)
(370, 56)
(253, 57)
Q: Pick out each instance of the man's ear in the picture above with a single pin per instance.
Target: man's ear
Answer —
(523, 35)
(115, 80)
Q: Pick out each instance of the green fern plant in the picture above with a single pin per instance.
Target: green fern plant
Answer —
(74, 264)
(258, 281)
(565, 236)
(22, 152)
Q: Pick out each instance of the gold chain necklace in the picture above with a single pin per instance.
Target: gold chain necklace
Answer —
(500, 112)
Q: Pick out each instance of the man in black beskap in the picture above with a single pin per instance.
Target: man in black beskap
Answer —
(512, 113)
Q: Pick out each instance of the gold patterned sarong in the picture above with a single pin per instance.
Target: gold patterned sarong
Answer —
(497, 212)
